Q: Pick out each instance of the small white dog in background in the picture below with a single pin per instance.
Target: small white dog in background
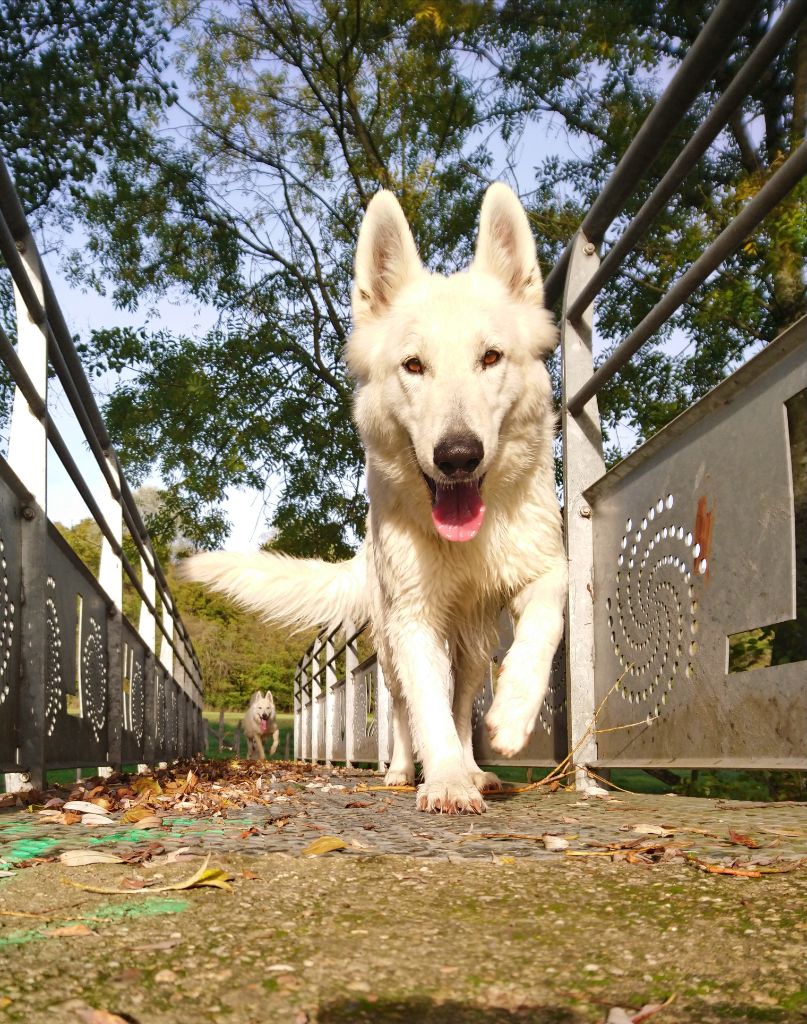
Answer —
(259, 720)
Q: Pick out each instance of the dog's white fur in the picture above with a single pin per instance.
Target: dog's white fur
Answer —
(434, 604)
(261, 708)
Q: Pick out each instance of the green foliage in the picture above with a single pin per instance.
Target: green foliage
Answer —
(299, 114)
(602, 66)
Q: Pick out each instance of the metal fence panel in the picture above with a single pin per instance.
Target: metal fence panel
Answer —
(548, 742)
(695, 543)
(9, 615)
(77, 681)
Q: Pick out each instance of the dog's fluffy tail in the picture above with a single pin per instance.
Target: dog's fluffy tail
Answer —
(300, 592)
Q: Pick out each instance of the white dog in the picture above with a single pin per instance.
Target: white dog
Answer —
(259, 721)
(454, 406)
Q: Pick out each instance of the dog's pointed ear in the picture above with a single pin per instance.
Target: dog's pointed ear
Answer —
(257, 695)
(505, 247)
(386, 257)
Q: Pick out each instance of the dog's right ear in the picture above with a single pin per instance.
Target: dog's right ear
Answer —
(386, 257)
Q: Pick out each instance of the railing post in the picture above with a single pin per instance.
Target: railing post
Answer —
(316, 709)
(147, 627)
(27, 456)
(298, 713)
(331, 719)
(305, 718)
(582, 464)
(351, 661)
(110, 576)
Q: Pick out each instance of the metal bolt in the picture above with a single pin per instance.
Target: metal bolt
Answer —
(589, 248)
(28, 513)
(20, 246)
(585, 512)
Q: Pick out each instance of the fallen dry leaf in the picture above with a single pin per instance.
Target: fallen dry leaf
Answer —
(71, 929)
(651, 830)
(82, 806)
(215, 877)
(90, 1016)
(137, 813)
(96, 819)
(77, 858)
(740, 840)
(325, 844)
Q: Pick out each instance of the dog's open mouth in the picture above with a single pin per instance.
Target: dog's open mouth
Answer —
(457, 508)
(263, 724)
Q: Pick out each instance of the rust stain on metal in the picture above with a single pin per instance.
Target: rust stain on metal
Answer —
(704, 521)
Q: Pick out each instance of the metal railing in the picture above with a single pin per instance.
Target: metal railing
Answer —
(80, 685)
(671, 557)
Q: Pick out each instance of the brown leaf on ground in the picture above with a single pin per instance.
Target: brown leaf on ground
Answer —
(204, 877)
(325, 844)
(137, 813)
(69, 930)
(358, 803)
(740, 840)
(723, 869)
(91, 1016)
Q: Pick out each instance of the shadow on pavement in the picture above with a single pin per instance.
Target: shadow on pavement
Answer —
(426, 1011)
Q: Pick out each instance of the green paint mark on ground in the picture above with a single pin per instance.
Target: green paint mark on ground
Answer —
(149, 907)
(17, 830)
(133, 835)
(146, 908)
(27, 848)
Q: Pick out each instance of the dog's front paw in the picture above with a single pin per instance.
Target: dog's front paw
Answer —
(486, 781)
(450, 796)
(509, 728)
(399, 777)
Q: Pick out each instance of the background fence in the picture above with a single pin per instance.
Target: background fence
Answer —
(686, 551)
(80, 685)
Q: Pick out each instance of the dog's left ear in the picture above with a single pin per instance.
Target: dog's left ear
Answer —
(505, 247)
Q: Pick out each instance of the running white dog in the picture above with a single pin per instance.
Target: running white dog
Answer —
(454, 406)
(259, 721)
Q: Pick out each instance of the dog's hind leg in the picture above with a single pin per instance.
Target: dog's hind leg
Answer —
(524, 677)
(469, 677)
(422, 665)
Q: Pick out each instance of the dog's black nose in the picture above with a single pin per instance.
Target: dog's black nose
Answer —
(458, 454)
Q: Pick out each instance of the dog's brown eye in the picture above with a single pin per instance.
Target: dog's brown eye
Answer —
(413, 366)
(491, 357)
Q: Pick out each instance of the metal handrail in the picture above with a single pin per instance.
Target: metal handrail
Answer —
(742, 83)
(70, 373)
(711, 45)
(753, 213)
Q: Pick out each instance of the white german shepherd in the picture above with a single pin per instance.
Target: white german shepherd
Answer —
(454, 406)
(259, 720)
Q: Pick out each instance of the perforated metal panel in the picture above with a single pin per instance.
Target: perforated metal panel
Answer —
(548, 743)
(694, 543)
(9, 616)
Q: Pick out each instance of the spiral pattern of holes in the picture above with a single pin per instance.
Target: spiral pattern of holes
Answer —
(94, 679)
(137, 697)
(159, 711)
(652, 615)
(54, 679)
(6, 628)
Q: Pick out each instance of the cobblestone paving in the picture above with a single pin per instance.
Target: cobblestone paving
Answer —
(372, 821)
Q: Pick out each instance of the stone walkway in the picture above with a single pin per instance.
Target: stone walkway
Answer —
(552, 908)
(355, 806)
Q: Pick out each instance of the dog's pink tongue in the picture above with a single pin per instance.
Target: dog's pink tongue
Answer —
(458, 511)
(263, 725)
